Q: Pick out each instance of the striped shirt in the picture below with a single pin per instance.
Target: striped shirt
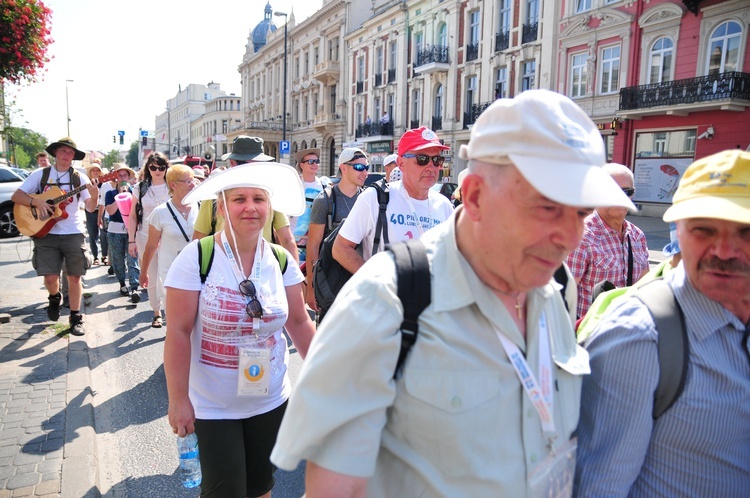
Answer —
(699, 447)
(601, 255)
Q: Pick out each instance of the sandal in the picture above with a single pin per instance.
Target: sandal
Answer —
(156, 323)
(96, 261)
(105, 261)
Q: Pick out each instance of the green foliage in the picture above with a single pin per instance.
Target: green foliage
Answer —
(133, 156)
(22, 158)
(111, 158)
(26, 144)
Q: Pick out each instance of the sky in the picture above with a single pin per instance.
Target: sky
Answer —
(125, 59)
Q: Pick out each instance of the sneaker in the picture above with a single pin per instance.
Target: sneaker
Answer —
(76, 325)
(66, 301)
(124, 291)
(53, 310)
(111, 271)
(135, 296)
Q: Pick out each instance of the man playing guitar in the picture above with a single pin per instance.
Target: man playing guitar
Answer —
(65, 240)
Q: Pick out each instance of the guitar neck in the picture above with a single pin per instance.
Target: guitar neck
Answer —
(77, 190)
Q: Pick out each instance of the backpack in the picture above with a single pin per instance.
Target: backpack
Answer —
(75, 179)
(206, 256)
(672, 343)
(328, 274)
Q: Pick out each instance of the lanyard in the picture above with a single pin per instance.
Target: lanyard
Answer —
(414, 212)
(541, 396)
(239, 272)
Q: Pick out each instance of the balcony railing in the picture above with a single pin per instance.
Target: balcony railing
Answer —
(413, 124)
(360, 86)
(378, 79)
(473, 113)
(437, 123)
(472, 51)
(529, 32)
(437, 54)
(374, 129)
(392, 75)
(724, 86)
(502, 41)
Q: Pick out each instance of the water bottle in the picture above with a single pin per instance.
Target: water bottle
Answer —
(190, 464)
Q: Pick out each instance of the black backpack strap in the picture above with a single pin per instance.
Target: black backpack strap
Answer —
(561, 277)
(672, 342)
(414, 291)
(331, 203)
(45, 179)
(383, 190)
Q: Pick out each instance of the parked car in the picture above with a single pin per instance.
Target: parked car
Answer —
(23, 173)
(446, 189)
(9, 183)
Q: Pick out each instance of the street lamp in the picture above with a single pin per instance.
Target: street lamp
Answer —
(67, 108)
(286, 21)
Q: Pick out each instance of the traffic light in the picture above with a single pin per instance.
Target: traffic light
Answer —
(144, 140)
(114, 139)
(122, 140)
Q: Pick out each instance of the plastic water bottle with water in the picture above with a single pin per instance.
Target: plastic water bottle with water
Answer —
(190, 464)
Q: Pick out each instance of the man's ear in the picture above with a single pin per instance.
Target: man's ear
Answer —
(473, 190)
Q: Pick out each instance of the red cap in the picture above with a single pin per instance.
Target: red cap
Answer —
(419, 139)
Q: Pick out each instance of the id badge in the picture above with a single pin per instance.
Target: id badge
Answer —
(254, 371)
(553, 477)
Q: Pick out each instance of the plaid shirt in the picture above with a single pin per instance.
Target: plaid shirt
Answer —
(602, 256)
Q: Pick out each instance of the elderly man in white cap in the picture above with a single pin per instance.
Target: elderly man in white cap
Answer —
(697, 443)
(487, 401)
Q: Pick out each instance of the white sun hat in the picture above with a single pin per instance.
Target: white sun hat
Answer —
(282, 182)
(553, 143)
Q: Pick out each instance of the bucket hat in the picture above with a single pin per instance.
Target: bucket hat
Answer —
(52, 148)
(246, 148)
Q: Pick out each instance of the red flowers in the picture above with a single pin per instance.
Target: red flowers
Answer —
(24, 38)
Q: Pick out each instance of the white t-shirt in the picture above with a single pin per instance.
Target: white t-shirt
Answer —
(360, 225)
(76, 220)
(222, 323)
(155, 195)
(103, 189)
(172, 241)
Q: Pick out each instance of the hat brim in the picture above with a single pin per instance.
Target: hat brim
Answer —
(247, 157)
(51, 148)
(302, 153)
(281, 181)
(426, 146)
(735, 209)
(572, 184)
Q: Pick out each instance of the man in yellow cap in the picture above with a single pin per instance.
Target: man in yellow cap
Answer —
(699, 446)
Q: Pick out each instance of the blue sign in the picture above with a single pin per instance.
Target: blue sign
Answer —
(144, 133)
(285, 147)
(121, 133)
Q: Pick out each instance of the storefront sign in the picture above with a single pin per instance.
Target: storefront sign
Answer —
(656, 179)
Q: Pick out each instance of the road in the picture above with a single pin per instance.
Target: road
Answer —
(136, 449)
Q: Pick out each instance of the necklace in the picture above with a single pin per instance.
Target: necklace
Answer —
(514, 295)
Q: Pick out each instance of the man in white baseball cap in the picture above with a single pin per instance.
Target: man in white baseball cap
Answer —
(495, 334)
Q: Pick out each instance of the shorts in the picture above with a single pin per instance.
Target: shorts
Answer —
(236, 454)
(50, 250)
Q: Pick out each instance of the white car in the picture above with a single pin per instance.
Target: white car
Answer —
(9, 183)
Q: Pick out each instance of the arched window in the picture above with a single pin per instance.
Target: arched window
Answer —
(442, 39)
(724, 48)
(660, 66)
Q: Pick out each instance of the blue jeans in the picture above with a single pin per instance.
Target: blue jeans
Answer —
(119, 256)
(92, 226)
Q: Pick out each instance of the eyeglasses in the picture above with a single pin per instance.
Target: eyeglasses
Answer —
(253, 308)
(629, 191)
(359, 167)
(311, 161)
(189, 181)
(160, 168)
(424, 159)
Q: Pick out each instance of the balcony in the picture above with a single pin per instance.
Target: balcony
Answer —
(432, 59)
(324, 120)
(725, 91)
(502, 41)
(529, 32)
(473, 113)
(327, 72)
(437, 123)
(360, 87)
(392, 75)
(472, 51)
(378, 79)
(374, 130)
(414, 124)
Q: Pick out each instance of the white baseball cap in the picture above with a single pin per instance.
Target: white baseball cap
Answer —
(350, 153)
(552, 143)
(391, 158)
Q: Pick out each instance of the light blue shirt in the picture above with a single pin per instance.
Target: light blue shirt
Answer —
(699, 447)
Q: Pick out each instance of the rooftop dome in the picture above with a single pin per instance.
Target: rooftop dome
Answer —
(260, 32)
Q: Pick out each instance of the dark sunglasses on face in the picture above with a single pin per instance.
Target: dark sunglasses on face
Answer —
(160, 168)
(424, 159)
(253, 308)
(359, 167)
(629, 191)
(311, 161)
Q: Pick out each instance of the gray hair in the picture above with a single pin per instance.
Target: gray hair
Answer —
(613, 169)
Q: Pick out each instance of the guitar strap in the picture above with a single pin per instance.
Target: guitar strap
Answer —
(74, 179)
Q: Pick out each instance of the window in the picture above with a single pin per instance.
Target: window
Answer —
(296, 67)
(378, 108)
(359, 118)
(391, 104)
(416, 105)
(392, 57)
(610, 70)
(442, 38)
(316, 56)
(332, 100)
(474, 24)
(501, 83)
(439, 102)
(578, 75)
(532, 11)
(504, 19)
(360, 69)
(678, 143)
(528, 78)
(583, 5)
(333, 49)
(724, 47)
(307, 63)
(660, 66)
(471, 90)
(379, 60)
(418, 43)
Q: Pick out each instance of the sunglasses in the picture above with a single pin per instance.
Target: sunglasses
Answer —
(424, 159)
(253, 308)
(312, 161)
(629, 191)
(159, 168)
(359, 167)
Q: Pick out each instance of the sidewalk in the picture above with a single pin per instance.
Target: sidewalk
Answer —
(47, 438)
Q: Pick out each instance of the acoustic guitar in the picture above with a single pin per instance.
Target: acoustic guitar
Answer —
(33, 223)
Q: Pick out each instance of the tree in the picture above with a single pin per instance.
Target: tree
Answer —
(133, 156)
(26, 144)
(24, 38)
(111, 158)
